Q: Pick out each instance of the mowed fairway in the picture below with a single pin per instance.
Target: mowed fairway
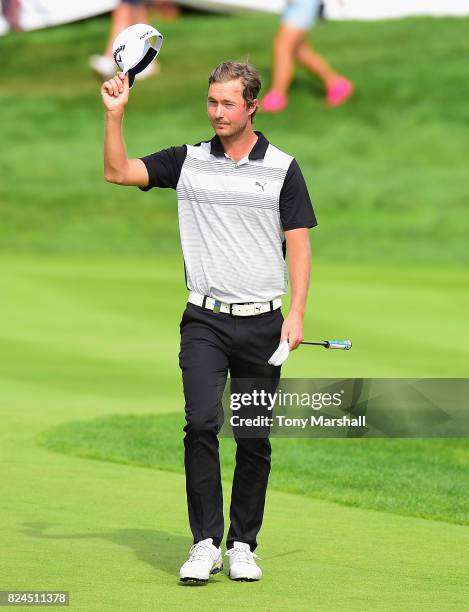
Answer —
(83, 338)
(92, 292)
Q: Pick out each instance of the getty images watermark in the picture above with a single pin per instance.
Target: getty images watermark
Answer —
(356, 408)
(282, 399)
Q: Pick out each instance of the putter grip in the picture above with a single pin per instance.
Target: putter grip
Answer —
(344, 345)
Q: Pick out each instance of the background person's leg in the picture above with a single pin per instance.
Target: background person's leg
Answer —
(338, 88)
(204, 363)
(297, 19)
(315, 63)
(291, 45)
(124, 15)
(286, 45)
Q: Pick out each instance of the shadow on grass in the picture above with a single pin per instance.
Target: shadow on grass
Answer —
(159, 549)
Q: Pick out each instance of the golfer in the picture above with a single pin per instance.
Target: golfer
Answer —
(243, 205)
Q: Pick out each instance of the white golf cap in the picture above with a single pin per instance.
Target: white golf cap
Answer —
(133, 48)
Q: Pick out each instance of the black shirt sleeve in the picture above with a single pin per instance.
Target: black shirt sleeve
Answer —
(164, 167)
(296, 209)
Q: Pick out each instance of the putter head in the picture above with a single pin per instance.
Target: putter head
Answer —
(281, 354)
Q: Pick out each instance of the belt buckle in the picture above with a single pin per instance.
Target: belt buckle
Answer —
(216, 306)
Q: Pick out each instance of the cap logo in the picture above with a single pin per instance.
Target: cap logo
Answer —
(146, 34)
(117, 51)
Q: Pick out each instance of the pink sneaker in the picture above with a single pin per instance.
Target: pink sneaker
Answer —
(274, 102)
(339, 91)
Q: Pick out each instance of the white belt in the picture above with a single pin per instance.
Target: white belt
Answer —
(238, 310)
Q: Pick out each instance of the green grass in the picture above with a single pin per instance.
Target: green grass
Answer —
(424, 478)
(386, 171)
(113, 323)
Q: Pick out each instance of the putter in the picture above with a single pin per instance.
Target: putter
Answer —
(281, 354)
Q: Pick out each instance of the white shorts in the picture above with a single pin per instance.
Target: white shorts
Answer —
(301, 14)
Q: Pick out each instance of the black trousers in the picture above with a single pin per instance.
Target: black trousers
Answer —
(211, 345)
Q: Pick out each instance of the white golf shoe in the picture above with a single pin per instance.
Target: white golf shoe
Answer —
(242, 564)
(204, 559)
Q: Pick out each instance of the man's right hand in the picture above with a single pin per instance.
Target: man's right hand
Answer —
(115, 92)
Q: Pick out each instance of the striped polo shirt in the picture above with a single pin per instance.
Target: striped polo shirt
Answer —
(233, 215)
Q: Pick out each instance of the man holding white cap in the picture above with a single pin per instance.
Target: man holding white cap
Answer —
(242, 205)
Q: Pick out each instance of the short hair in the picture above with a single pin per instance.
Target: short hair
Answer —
(230, 71)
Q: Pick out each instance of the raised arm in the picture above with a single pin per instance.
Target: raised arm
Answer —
(118, 168)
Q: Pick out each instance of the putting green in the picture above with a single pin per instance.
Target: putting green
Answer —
(114, 536)
(86, 338)
(426, 478)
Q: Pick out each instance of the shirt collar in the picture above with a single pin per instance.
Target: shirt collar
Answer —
(257, 152)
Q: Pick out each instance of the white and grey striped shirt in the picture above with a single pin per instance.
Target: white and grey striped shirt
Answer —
(232, 216)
